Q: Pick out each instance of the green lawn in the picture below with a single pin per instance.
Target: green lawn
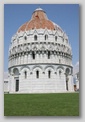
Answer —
(57, 104)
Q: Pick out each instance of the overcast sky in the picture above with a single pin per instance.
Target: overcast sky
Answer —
(65, 15)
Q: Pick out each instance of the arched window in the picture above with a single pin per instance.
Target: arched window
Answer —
(55, 38)
(49, 74)
(67, 71)
(46, 37)
(25, 38)
(48, 54)
(37, 74)
(33, 55)
(16, 71)
(35, 37)
(60, 72)
(25, 74)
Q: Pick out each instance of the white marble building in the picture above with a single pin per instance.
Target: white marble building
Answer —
(40, 57)
(6, 82)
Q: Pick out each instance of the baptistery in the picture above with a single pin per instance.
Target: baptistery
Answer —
(40, 57)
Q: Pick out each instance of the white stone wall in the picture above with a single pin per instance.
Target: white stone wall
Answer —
(20, 51)
(70, 83)
(77, 84)
(43, 55)
(6, 85)
(43, 84)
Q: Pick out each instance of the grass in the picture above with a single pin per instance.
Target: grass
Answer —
(57, 104)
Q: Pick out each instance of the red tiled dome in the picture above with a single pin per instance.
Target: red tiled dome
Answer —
(38, 20)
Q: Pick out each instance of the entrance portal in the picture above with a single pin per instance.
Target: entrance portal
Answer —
(17, 85)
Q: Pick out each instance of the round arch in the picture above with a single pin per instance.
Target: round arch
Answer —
(37, 71)
(24, 67)
(25, 72)
(37, 67)
(16, 71)
(49, 68)
(67, 71)
(60, 69)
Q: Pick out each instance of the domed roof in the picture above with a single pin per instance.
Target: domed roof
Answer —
(38, 20)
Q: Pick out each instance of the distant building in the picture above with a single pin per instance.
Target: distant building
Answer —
(6, 83)
(76, 77)
(40, 57)
(76, 85)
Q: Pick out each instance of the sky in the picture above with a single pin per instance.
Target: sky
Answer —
(65, 15)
